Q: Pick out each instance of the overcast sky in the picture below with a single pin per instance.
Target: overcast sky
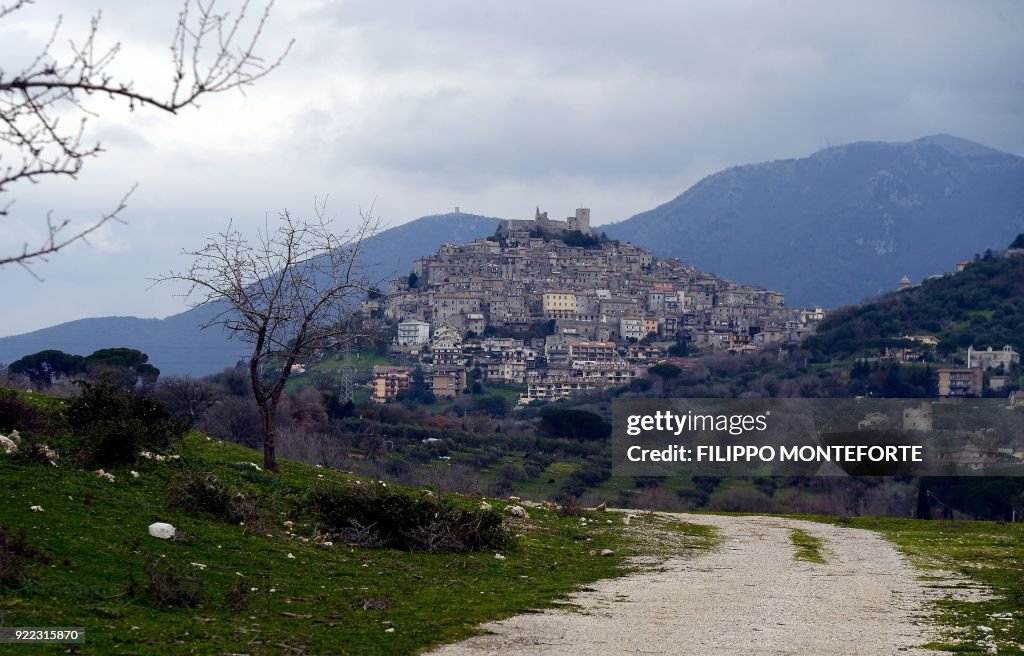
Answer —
(495, 107)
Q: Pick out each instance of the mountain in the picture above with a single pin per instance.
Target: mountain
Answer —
(846, 223)
(176, 345)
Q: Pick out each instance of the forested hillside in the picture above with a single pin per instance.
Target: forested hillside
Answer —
(980, 306)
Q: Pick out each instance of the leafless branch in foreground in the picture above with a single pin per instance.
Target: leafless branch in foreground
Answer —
(211, 52)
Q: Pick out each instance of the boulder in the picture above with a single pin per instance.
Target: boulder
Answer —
(517, 511)
(161, 530)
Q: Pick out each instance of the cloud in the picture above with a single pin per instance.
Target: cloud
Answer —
(497, 107)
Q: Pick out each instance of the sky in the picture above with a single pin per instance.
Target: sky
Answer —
(413, 108)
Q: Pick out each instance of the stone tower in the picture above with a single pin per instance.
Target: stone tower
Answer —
(581, 221)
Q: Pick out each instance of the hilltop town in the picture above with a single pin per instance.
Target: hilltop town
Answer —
(554, 307)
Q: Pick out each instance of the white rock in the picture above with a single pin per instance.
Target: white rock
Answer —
(498, 556)
(36, 509)
(514, 499)
(485, 506)
(291, 556)
(625, 520)
(199, 565)
(8, 445)
(517, 511)
(161, 530)
(984, 629)
(135, 474)
(607, 552)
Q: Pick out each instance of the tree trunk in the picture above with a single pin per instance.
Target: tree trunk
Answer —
(269, 415)
(924, 506)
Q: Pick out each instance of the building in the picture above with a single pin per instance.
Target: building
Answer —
(999, 383)
(580, 222)
(559, 304)
(388, 382)
(989, 359)
(592, 351)
(413, 332)
(632, 328)
(919, 418)
(446, 347)
(447, 382)
(961, 382)
(551, 389)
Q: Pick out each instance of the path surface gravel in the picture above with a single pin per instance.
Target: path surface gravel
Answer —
(750, 596)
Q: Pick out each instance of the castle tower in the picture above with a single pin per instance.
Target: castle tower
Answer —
(904, 283)
(581, 221)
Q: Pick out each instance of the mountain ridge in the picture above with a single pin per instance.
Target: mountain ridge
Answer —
(844, 223)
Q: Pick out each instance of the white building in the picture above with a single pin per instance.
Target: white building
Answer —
(632, 327)
(990, 359)
(413, 333)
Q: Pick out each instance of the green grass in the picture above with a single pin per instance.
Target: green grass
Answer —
(337, 601)
(808, 547)
(986, 553)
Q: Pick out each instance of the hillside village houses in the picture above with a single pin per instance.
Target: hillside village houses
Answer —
(523, 307)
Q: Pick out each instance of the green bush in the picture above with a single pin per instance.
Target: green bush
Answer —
(374, 514)
(202, 492)
(167, 587)
(115, 426)
(15, 414)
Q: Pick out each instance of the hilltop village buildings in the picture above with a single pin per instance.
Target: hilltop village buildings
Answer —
(549, 305)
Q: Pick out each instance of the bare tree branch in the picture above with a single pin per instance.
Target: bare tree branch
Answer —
(211, 53)
(291, 294)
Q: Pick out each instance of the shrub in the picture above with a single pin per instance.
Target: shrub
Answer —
(16, 556)
(15, 414)
(406, 520)
(571, 507)
(237, 597)
(169, 588)
(115, 426)
(203, 492)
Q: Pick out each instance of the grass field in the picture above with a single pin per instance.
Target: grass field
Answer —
(986, 553)
(265, 591)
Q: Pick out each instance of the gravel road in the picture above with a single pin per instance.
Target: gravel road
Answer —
(750, 596)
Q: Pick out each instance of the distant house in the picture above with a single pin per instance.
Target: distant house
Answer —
(873, 421)
(989, 359)
(413, 332)
(447, 381)
(927, 340)
(999, 383)
(388, 382)
(961, 382)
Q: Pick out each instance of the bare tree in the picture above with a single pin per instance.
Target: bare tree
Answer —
(210, 53)
(291, 294)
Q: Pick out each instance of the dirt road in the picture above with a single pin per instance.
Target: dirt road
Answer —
(750, 596)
